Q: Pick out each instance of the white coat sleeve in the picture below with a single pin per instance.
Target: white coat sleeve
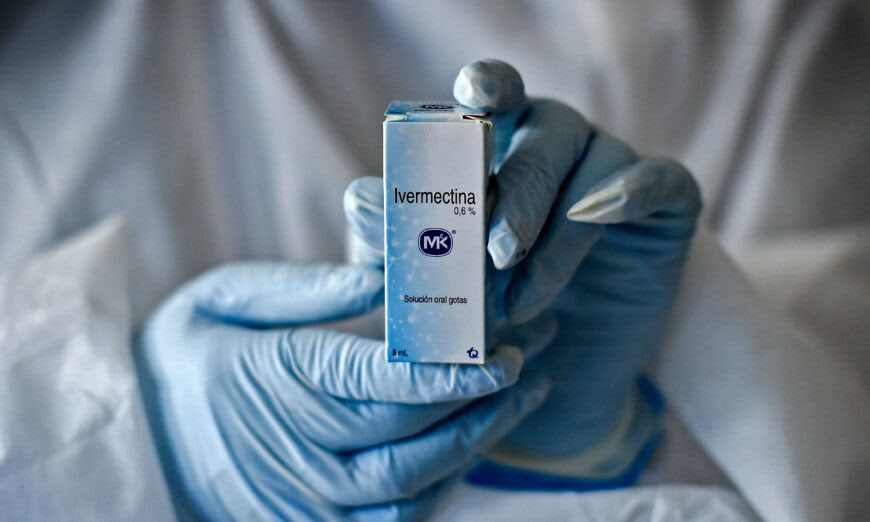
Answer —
(783, 416)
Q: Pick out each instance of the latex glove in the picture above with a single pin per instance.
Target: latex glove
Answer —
(585, 233)
(260, 417)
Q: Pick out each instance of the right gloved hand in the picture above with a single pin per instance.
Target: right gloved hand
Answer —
(586, 238)
(261, 416)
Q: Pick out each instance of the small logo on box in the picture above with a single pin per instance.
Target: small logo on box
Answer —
(472, 353)
(435, 242)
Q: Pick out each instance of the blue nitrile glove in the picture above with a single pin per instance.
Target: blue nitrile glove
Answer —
(589, 236)
(261, 417)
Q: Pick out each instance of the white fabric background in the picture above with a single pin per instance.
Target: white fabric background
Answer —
(74, 441)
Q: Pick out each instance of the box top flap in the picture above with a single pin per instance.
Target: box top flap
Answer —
(414, 111)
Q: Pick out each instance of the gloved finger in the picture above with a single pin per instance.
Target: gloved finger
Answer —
(336, 424)
(611, 186)
(352, 367)
(544, 150)
(490, 85)
(495, 87)
(649, 187)
(346, 425)
(415, 508)
(364, 210)
(404, 469)
(563, 244)
(274, 294)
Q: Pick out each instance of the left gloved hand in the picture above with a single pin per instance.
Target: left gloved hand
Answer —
(260, 416)
(585, 234)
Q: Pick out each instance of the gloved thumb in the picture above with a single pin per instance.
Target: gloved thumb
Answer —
(260, 293)
(497, 87)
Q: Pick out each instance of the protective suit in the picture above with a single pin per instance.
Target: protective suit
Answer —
(222, 131)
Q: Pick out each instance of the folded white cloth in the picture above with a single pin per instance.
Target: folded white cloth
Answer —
(74, 441)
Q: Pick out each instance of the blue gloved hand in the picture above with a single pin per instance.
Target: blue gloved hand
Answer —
(260, 416)
(584, 234)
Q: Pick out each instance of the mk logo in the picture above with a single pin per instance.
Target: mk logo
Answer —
(435, 242)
